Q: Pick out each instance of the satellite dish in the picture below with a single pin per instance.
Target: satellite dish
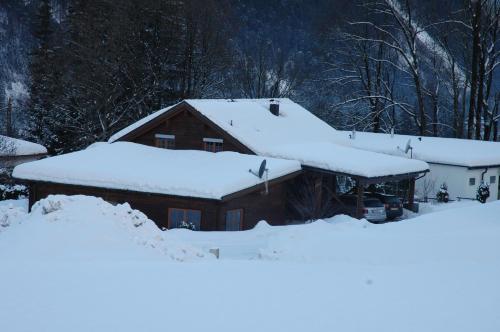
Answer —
(408, 146)
(261, 171)
(262, 168)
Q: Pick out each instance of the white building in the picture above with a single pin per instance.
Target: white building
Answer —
(461, 164)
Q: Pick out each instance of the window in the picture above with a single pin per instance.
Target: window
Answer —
(213, 144)
(472, 181)
(234, 219)
(165, 141)
(177, 216)
(493, 179)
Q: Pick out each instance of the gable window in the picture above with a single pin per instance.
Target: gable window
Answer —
(234, 220)
(493, 179)
(472, 181)
(178, 217)
(165, 141)
(213, 144)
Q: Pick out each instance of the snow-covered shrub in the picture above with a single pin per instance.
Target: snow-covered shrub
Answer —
(13, 191)
(483, 192)
(442, 195)
(187, 225)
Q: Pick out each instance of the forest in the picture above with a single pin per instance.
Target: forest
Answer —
(73, 72)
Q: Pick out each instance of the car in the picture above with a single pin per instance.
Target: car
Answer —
(393, 204)
(373, 209)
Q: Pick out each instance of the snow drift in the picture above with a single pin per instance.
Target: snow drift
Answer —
(86, 228)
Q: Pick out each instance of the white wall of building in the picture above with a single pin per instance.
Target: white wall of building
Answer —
(457, 179)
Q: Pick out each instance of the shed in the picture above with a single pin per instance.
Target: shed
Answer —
(14, 151)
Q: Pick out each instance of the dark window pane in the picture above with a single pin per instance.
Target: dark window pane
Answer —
(233, 220)
(472, 181)
(176, 217)
(194, 217)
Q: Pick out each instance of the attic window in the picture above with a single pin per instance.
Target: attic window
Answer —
(165, 141)
(213, 144)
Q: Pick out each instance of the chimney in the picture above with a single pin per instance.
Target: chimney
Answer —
(274, 107)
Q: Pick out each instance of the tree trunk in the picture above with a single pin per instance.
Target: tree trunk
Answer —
(421, 110)
(480, 94)
(8, 118)
(476, 26)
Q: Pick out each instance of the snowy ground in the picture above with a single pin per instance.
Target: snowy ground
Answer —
(80, 264)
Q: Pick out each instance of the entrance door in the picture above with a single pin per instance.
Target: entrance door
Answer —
(234, 220)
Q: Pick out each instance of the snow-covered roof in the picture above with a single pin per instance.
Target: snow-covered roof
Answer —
(10, 147)
(450, 151)
(295, 134)
(139, 123)
(131, 166)
(341, 159)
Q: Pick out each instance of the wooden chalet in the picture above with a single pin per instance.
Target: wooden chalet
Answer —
(304, 162)
(275, 128)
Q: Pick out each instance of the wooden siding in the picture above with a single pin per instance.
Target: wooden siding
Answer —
(189, 129)
(154, 206)
(256, 206)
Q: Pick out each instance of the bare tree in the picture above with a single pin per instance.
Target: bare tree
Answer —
(401, 35)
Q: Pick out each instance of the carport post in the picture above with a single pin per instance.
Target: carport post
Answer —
(411, 193)
(359, 199)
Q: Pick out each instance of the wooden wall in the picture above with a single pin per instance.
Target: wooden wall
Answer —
(189, 132)
(256, 206)
(154, 206)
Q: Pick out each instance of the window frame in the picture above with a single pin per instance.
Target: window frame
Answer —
(213, 144)
(241, 211)
(494, 178)
(472, 181)
(169, 141)
(185, 213)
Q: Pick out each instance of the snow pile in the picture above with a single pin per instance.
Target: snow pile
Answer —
(461, 234)
(88, 228)
(436, 272)
(136, 167)
(12, 212)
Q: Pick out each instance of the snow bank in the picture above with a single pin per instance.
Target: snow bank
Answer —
(469, 233)
(12, 212)
(87, 228)
(136, 167)
(437, 272)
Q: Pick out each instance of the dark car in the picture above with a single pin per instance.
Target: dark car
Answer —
(393, 205)
(373, 209)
